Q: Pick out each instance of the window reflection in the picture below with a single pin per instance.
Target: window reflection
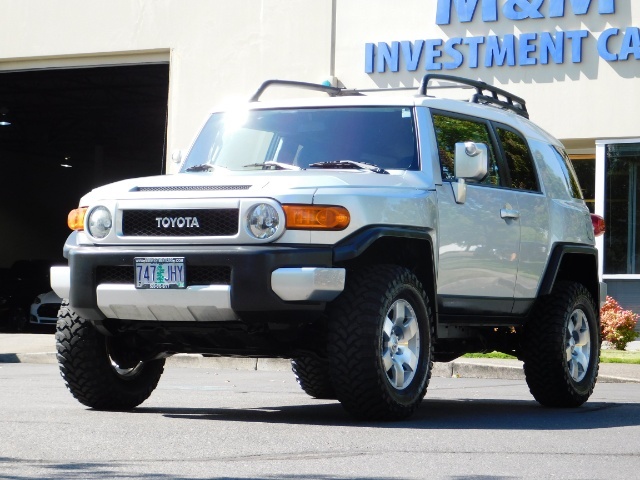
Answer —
(451, 130)
(622, 216)
(521, 169)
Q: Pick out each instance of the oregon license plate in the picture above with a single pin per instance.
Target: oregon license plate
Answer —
(160, 272)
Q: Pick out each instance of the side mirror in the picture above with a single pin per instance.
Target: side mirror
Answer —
(471, 163)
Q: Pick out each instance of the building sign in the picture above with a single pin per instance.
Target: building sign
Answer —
(524, 49)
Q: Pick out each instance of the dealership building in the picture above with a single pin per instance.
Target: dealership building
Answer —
(93, 91)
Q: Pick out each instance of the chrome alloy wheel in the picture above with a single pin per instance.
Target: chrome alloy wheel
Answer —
(126, 372)
(400, 344)
(578, 345)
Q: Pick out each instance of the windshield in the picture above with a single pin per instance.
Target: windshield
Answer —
(296, 138)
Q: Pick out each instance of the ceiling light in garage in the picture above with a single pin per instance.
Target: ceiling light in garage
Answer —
(4, 117)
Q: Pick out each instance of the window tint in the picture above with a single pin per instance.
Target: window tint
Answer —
(452, 130)
(569, 174)
(516, 151)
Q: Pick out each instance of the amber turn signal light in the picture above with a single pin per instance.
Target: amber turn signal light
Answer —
(75, 220)
(316, 217)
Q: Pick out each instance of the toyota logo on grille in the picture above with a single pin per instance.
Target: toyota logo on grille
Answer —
(177, 222)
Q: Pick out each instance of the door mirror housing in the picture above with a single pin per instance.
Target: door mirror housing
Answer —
(471, 163)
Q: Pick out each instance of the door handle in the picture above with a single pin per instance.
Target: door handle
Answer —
(509, 213)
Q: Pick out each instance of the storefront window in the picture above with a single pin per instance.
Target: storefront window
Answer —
(622, 215)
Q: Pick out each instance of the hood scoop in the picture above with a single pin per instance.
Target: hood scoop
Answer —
(191, 188)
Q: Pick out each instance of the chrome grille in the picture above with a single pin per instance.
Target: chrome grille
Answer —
(210, 223)
(196, 275)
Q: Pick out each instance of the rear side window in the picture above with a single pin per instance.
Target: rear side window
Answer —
(451, 130)
(519, 160)
(569, 173)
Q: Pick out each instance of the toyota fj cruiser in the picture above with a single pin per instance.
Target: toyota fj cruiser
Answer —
(362, 235)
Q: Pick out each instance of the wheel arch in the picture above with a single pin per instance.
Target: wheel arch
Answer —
(409, 247)
(578, 263)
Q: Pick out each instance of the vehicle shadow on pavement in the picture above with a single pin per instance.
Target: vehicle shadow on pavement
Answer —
(469, 414)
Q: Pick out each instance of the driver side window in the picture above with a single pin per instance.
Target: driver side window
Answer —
(451, 130)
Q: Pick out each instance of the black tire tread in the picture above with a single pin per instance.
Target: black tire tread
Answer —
(85, 367)
(313, 377)
(545, 369)
(353, 338)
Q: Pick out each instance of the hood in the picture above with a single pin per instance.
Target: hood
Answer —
(245, 184)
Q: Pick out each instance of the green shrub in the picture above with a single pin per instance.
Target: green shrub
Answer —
(617, 324)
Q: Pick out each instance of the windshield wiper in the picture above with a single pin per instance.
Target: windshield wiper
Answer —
(278, 165)
(350, 164)
(203, 167)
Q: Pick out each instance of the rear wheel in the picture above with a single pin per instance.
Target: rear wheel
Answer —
(90, 372)
(380, 343)
(312, 375)
(562, 347)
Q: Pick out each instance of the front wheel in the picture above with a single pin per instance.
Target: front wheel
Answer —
(562, 347)
(380, 343)
(90, 372)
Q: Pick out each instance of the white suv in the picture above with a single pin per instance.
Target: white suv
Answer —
(362, 236)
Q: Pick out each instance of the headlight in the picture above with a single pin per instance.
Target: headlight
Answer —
(99, 222)
(263, 221)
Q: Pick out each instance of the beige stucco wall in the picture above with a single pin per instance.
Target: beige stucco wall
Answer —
(220, 50)
(217, 49)
(588, 100)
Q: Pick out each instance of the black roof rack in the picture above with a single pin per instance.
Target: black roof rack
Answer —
(509, 100)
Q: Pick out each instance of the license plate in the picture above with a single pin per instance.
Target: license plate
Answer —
(160, 272)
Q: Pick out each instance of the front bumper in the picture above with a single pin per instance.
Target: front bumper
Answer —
(267, 283)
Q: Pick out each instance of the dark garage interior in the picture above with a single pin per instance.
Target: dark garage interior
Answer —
(62, 133)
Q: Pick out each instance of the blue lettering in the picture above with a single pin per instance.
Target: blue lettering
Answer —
(450, 49)
(432, 53)
(603, 48)
(369, 55)
(630, 44)
(388, 56)
(514, 9)
(500, 53)
(549, 47)
(581, 7)
(576, 37)
(465, 10)
(525, 48)
(473, 43)
(412, 55)
(522, 9)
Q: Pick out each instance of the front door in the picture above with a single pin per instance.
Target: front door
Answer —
(479, 240)
(478, 250)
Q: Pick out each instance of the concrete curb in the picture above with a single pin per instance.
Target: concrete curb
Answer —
(461, 368)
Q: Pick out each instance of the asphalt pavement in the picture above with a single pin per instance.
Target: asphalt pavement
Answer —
(40, 348)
